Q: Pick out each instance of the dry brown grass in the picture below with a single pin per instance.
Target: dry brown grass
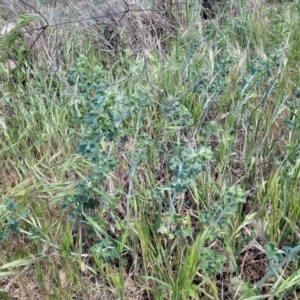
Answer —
(113, 25)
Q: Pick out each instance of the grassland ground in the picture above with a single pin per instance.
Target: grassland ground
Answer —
(147, 152)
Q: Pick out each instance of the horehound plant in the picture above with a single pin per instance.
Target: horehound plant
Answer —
(105, 123)
(9, 221)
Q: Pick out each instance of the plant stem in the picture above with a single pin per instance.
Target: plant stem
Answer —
(270, 274)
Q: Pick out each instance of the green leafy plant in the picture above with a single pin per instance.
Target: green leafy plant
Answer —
(278, 259)
(9, 222)
(216, 217)
(101, 117)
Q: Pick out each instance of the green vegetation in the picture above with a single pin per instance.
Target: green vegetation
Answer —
(150, 155)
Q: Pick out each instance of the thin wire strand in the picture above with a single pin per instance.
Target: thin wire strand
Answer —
(122, 13)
